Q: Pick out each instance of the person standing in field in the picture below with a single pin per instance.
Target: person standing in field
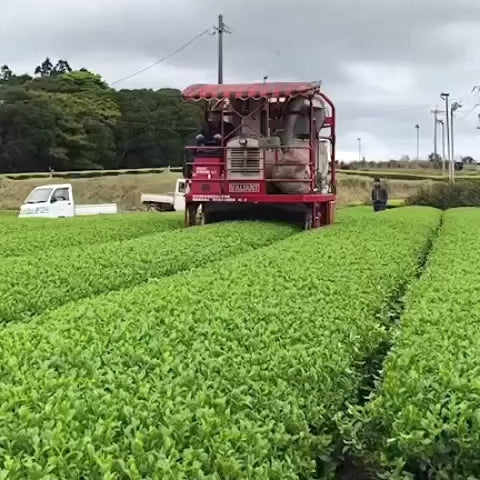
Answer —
(379, 196)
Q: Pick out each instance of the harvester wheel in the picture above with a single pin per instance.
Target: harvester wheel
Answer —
(192, 215)
(205, 216)
(308, 220)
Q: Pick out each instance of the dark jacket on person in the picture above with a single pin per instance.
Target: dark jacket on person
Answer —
(213, 128)
(379, 194)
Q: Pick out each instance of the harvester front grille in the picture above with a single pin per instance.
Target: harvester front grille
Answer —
(245, 162)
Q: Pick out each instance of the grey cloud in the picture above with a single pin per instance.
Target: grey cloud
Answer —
(375, 57)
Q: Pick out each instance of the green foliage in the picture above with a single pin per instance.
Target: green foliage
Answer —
(85, 136)
(393, 175)
(154, 127)
(462, 193)
(5, 73)
(27, 132)
(89, 173)
(424, 421)
(405, 175)
(35, 284)
(35, 236)
(72, 120)
(47, 69)
(234, 371)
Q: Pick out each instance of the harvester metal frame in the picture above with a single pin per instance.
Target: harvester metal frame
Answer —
(209, 184)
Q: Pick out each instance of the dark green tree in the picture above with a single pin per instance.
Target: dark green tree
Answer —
(27, 133)
(154, 127)
(72, 120)
(61, 68)
(5, 73)
(45, 68)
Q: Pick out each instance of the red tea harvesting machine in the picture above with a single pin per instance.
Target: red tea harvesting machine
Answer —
(267, 149)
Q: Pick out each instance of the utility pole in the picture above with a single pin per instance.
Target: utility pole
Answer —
(417, 127)
(221, 29)
(442, 123)
(445, 96)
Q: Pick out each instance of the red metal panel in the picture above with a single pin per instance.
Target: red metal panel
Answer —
(246, 91)
(206, 176)
(261, 198)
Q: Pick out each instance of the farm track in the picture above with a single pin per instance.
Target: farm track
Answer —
(351, 468)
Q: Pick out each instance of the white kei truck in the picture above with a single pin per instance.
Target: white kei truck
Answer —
(56, 201)
(174, 202)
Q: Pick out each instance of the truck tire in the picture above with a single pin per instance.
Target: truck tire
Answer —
(151, 207)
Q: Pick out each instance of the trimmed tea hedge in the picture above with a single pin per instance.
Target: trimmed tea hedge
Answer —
(32, 285)
(31, 236)
(84, 173)
(407, 175)
(425, 420)
(232, 371)
(448, 195)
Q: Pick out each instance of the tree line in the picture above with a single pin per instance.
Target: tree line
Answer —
(63, 119)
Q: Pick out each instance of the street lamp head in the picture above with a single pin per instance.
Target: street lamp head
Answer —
(443, 96)
(455, 106)
(417, 126)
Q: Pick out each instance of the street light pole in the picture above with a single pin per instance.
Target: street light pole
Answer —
(417, 127)
(435, 122)
(445, 96)
(442, 123)
(359, 140)
(455, 106)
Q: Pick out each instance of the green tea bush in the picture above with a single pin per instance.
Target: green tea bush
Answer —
(232, 371)
(424, 421)
(34, 236)
(33, 284)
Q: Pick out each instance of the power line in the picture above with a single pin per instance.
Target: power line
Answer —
(388, 112)
(170, 55)
(399, 110)
(469, 112)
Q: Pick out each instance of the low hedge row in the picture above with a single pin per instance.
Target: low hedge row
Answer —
(33, 284)
(31, 236)
(234, 371)
(424, 420)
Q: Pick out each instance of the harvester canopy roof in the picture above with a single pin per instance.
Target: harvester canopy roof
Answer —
(246, 91)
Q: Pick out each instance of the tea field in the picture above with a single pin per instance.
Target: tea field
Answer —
(132, 348)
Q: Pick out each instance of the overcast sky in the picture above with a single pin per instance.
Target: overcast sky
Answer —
(384, 62)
